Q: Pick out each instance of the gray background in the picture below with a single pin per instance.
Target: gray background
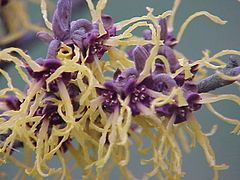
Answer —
(200, 35)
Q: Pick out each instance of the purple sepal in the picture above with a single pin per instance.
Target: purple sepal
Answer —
(190, 86)
(61, 20)
(50, 66)
(163, 24)
(167, 37)
(108, 25)
(110, 85)
(163, 83)
(53, 49)
(81, 27)
(110, 100)
(180, 79)
(107, 21)
(129, 52)
(86, 36)
(170, 40)
(169, 54)
(140, 55)
(44, 36)
(73, 90)
(181, 115)
(126, 74)
(134, 109)
(139, 96)
(166, 110)
(75, 105)
(51, 63)
(148, 82)
(159, 68)
(192, 97)
(126, 81)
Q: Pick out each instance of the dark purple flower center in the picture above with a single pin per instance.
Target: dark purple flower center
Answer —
(139, 94)
(110, 101)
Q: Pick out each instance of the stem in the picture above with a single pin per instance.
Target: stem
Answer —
(214, 81)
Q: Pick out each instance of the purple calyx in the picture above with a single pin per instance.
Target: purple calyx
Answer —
(192, 97)
(81, 32)
(110, 101)
(50, 66)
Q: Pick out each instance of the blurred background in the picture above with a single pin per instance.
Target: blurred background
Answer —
(200, 35)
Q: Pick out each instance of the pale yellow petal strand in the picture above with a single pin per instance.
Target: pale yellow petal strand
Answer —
(197, 14)
(65, 173)
(212, 131)
(120, 25)
(223, 118)
(170, 23)
(34, 66)
(225, 52)
(66, 99)
(99, 8)
(211, 98)
(91, 8)
(205, 144)
(165, 62)
(7, 77)
(40, 145)
(184, 140)
(44, 13)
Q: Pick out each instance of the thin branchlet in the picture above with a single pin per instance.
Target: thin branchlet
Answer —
(214, 81)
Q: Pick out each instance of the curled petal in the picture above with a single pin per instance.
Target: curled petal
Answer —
(73, 90)
(166, 79)
(190, 86)
(130, 72)
(53, 48)
(192, 97)
(51, 63)
(163, 25)
(166, 110)
(107, 21)
(169, 54)
(140, 55)
(81, 26)
(126, 81)
(44, 36)
(61, 19)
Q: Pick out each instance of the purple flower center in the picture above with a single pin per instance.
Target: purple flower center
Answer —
(110, 101)
(139, 95)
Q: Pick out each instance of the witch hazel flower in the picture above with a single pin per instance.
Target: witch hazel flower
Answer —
(83, 33)
(73, 104)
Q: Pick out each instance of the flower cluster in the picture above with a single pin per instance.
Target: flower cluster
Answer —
(100, 87)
